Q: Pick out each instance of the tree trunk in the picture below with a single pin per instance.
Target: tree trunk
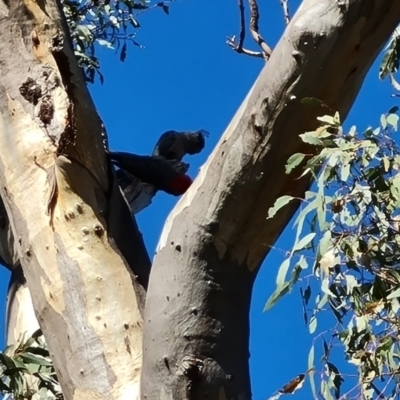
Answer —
(197, 308)
(74, 236)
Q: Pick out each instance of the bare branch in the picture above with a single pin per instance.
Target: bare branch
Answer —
(232, 43)
(285, 6)
(242, 24)
(254, 29)
(238, 46)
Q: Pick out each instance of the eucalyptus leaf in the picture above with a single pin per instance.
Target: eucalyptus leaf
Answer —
(304, 242)
(283, 269)
(393, 120)
(294, 161)
(311, 371)
(279, 203)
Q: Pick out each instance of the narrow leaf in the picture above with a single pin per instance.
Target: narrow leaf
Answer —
(311, 372)
(283, 269)
(311, 138)
(312, 326)
(273, 299)
(328, 119)
(301, 244)
(279, 203)
(122, 56)
(394, 294)
(307, 294)
(32, 359)
(294, 161)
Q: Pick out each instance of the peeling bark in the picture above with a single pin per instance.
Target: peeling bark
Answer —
(59, 193)
(197, 307)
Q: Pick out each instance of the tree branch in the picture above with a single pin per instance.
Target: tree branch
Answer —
(76, 266)
(242, 25)
(286, 13)
(254, 29)
(238, 47)
(217, 236)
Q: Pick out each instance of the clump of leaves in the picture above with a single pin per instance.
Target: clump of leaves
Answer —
(112, 24)
(346, 257)
(27, 370)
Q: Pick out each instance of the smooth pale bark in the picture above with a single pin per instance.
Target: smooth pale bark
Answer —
(197, 308)
(21, 318)
(73, 233)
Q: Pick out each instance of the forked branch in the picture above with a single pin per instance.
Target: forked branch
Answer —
(238, 45)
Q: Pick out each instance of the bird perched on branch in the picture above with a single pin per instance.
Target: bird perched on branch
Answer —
(140, 177)
(175, 145)
(167, 175)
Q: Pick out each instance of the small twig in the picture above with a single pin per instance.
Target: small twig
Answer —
(238, 46)
(242, 25)
(285, 6)
(254, 29)
(232, 43)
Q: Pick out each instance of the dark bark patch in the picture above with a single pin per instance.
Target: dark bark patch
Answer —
(42, 5)
(57, 43)
(62, 62)
(192, 368)
(35, 39)
(46, 111)
(254, 126)
(98, 231)
(297, 56)
(68, 136)
(53, 191)
(352, 71)
(166, 362)
(31, 91)
(128, 345)
(265, 104)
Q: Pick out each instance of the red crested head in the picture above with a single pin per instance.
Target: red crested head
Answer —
(180, 184)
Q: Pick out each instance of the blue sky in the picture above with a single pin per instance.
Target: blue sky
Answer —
(187, 78)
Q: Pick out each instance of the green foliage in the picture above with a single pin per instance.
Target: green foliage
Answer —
(390, 61)
(346, 257)
(27, 370)
(112, 24)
